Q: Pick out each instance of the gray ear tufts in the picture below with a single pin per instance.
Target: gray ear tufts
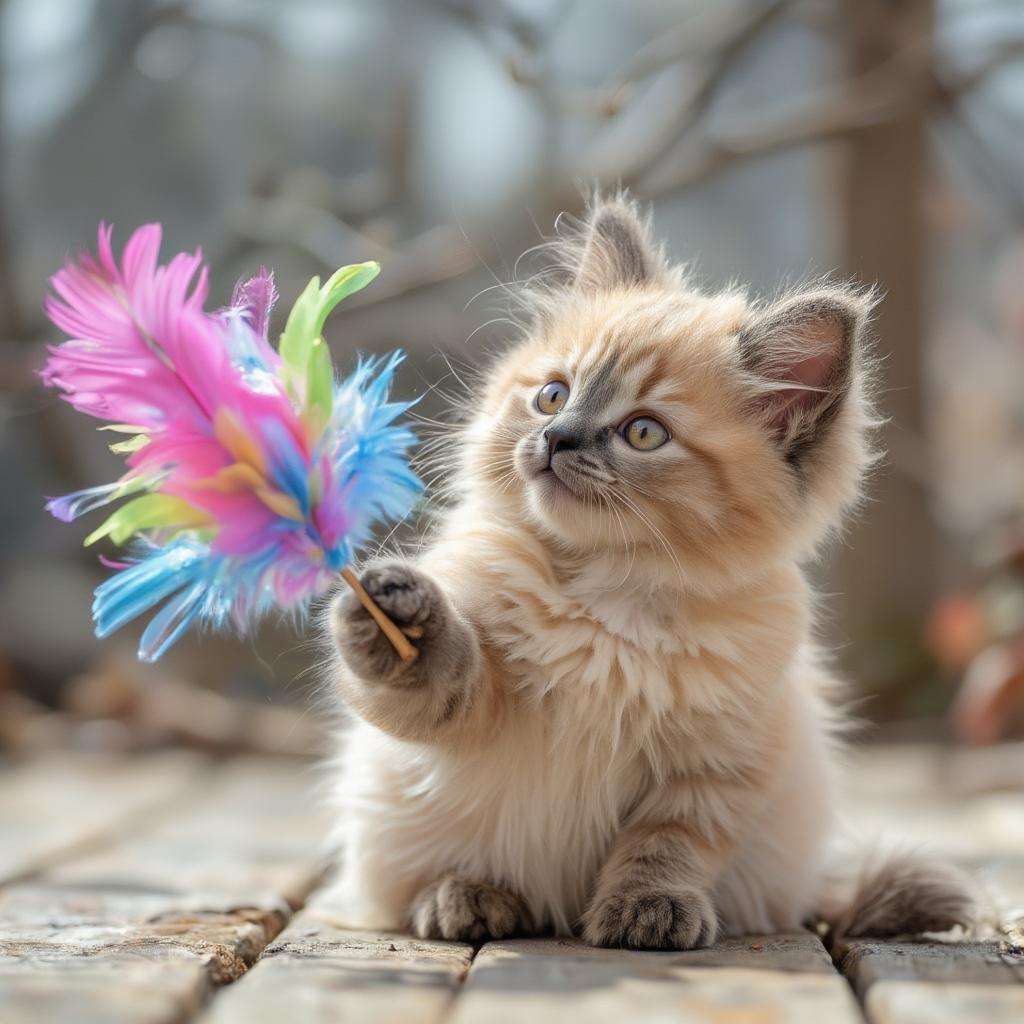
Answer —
(617, 250)
(803, 352)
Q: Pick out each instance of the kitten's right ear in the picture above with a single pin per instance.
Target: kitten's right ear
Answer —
(803, 353)
(617, 250)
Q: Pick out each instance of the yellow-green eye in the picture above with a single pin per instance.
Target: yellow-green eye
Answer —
(645, 434)
(552, 397)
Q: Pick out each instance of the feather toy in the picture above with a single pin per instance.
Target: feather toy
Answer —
(253, 474)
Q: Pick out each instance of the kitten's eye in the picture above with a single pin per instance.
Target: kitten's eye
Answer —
(552, 397)
(645, 434)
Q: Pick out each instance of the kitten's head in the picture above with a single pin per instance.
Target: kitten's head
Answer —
(704, 433)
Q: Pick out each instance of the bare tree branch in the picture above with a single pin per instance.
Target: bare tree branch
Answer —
(883, 94)
(614, 158)
(879, 96)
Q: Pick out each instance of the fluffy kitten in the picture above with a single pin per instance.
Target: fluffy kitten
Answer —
(619, 721)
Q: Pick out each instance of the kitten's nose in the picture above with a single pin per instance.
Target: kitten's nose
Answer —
(559, 440)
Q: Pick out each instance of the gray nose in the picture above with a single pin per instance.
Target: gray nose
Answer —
(560, 439)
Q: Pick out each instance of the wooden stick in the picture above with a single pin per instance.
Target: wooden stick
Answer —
(405, 650)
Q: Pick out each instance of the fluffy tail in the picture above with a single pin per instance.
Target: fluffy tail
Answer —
(904, 894)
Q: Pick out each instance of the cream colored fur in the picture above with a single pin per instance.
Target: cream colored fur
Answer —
(647, 713)
(610, 695)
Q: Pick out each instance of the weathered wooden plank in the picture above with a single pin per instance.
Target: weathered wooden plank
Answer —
(140, 916)
(868, 961)
(935, 981)
(144, 928)
(87, 956)
(937, 799)
(317, 971)
(47, 918)
(757, 979)
(54, 808)
(800, 952)
(254, 835)
(909, 1002)
(142, 985)
(174, 960)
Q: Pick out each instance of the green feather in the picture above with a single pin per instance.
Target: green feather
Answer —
(133, 444)
(148, 512)
(308, 373)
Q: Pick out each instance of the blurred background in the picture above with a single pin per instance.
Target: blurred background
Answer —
(880, 138)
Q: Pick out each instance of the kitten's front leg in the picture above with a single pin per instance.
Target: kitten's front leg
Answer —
(414, 700)
(653, 892)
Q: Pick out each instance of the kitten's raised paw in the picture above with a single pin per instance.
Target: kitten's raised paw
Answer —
(407, 596)
(459, 910)
(648, 919)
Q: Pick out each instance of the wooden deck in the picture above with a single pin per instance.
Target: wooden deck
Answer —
(174, 888)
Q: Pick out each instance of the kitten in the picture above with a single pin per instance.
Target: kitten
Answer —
(619, 721)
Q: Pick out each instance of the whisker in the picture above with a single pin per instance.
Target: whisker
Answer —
(625, 540)
(658, 535)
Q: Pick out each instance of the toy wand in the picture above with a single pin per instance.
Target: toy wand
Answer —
(253, 474)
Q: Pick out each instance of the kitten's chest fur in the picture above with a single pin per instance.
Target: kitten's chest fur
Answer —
(616, 652)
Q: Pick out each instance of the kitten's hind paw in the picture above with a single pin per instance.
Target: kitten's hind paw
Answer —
(647, 919)
(459, 910)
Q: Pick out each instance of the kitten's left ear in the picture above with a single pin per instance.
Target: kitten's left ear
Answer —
(617, 250)
(804, 353)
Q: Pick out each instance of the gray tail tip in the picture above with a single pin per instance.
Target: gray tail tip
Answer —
(906, 895)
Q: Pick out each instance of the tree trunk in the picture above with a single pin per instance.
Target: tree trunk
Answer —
(884, 575)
